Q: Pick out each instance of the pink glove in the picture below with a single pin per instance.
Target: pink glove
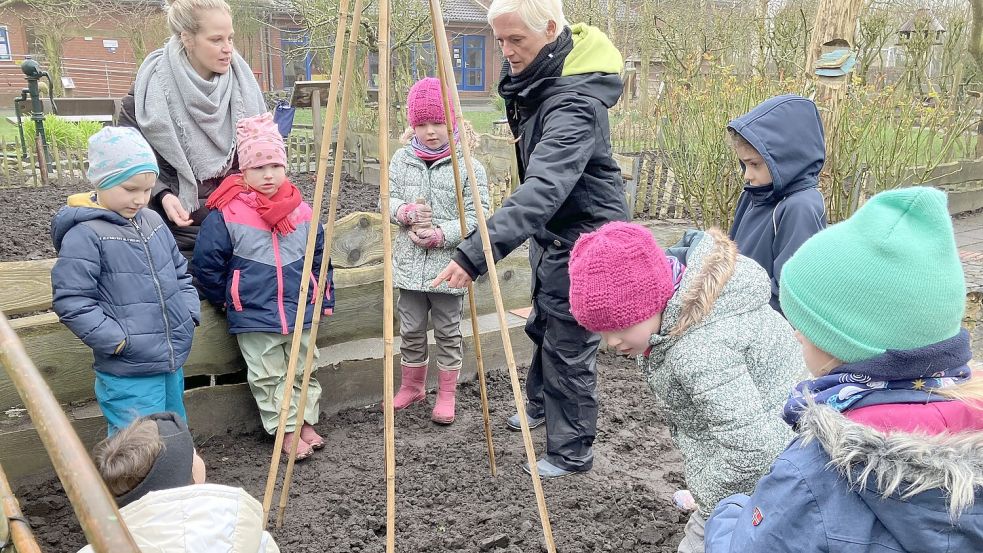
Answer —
(428, 238)
(414, 214)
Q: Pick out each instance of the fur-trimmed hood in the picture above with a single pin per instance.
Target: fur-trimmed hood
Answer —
(944, 469)
(718, 283)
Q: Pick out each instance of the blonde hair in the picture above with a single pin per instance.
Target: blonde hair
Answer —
(465, 131)
(536, 14)
(184, 16)
(125, 458)
(970, 392)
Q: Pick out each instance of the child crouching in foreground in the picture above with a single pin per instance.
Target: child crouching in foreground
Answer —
(710, 345)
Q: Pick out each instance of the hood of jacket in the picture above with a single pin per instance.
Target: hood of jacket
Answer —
(788, 133)
(938, 473)
(715, 285)
(204, 518)
(80, 208)
(593, 68)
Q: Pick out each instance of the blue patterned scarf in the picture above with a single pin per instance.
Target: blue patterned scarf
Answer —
(896, 376)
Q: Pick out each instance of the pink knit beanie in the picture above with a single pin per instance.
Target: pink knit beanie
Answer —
(619, 277)
(259, 142)
(425, 104)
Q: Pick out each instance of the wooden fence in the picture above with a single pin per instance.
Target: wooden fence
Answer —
(654, 193)
(69, 163)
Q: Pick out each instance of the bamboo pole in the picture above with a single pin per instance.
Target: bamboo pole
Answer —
(443, 50)
(304, 282)
(385, 57)
(322, 168)
(21, 535)
(459, 192)
(93, 505)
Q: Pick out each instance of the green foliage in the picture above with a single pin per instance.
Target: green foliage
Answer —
(63, 133)
(692, 121)
(883, 138)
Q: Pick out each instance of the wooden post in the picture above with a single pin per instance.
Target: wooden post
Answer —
(322, 169)
(6, 163)
(93, 505)
(18, 532)
(835, 19)
(304, 282)
(459, 192)
(316, 121)
(443, 50)
(42, 160)
(56, 154)
(385, 57)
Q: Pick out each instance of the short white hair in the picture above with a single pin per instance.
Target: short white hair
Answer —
(536, 14)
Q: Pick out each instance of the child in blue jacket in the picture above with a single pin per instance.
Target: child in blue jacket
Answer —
(889, 455)
(781, 149)
(249, 260)
(120, 284)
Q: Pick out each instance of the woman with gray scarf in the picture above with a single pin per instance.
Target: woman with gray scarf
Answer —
(186, 101)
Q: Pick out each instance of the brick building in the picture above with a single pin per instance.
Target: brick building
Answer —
(101, 53)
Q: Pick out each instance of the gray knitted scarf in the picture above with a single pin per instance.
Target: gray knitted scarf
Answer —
(191, 121)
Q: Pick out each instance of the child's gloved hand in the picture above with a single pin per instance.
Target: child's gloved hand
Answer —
(414, 214)
(428, 238)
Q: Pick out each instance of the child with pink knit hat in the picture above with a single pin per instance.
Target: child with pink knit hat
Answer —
(249, 261)
(708, 342)
(424, 205)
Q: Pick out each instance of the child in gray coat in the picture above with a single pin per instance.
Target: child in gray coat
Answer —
(709, 344)
(424, 204)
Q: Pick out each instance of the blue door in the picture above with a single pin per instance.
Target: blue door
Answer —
(296, 58)
(469, 62)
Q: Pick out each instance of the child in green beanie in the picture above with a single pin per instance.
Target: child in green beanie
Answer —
(891, 426)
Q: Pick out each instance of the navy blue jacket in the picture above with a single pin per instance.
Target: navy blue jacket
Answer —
(255, 273)
(771, 222)
(846, 487)
(119, 279)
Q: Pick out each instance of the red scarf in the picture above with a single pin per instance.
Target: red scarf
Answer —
(275, 211)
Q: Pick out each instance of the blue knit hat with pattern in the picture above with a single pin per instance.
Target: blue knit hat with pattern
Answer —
(887, 278)
(116, 154)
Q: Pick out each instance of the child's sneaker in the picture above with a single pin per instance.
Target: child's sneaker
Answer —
(312, 438)
(683, 500)
(304, 450)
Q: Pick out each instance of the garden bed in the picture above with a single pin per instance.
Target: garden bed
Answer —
(26, 212)
(446, 499)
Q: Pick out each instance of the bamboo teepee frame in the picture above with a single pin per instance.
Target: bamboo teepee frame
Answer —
(450, 96)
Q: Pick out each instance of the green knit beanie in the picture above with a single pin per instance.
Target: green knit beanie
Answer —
(887, 278)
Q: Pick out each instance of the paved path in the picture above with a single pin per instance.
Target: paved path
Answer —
(969, 238)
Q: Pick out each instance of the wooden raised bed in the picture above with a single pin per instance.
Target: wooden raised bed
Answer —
(66, 363)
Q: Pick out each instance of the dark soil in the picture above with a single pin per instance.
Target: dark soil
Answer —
(26, 212)
(446, 498)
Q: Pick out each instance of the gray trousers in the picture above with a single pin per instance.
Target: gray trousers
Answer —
(416, 310)
(562, 384)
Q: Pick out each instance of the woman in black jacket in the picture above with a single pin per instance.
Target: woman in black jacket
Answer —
(558, 82)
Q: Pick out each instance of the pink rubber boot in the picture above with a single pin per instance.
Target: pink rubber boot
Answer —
(443, 410)
(410, 387)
